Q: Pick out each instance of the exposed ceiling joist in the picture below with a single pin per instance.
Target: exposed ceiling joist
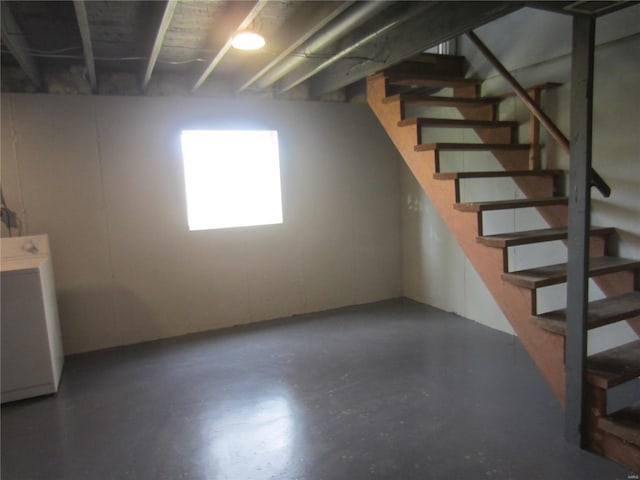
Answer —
(597, 9)
(333, 59)
(300, 34)
(323, 45)
(550, 6)
(441, 22)
(353, 18)
(393, 21)
(85, 34)
(583, 7)
(14, 40)
(169, 8)
(260, 4)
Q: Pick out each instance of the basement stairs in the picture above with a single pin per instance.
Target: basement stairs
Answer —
(420, 83)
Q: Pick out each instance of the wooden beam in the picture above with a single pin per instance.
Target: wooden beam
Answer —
(534, 134)
(579, 224)
(260, 4)
(14, 40)
(85, 34)
(169, 8)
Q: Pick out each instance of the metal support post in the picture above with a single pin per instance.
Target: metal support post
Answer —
(579, 223)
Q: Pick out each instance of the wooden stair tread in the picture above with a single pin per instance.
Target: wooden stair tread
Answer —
(555, 274)
(509, 204)
(512, 239)
(496, 174)
(601, 312)
(429, 64)
(433, 57)
(428, 80)
(438, 101)
(624, 424)
(468, 147)
(615, 366)
(455, 123)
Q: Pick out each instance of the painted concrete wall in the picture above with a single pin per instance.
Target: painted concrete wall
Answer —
(103, 177)
(446, 279)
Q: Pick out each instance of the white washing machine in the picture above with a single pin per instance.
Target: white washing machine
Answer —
(32, 355)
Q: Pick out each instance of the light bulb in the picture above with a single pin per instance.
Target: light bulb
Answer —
(247, 41)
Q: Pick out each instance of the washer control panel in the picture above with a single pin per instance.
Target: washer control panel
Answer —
(21, 247)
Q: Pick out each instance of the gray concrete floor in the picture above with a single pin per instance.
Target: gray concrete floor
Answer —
(393, 390)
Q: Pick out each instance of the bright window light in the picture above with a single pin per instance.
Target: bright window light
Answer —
(232, 178)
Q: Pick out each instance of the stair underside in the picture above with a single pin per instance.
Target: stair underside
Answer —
(436, 101)
(555, 274)
(504, 240)
(615, 366)
(455, 123)
(472, 147)
(624, 424)
(498, 174)
(601, 312)
(477, 207)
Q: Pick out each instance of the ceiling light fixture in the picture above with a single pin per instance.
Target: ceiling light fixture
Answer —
(247, 41)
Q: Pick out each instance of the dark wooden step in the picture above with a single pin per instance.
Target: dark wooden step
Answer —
(428, 80)
(601, 312)
(431, 64)
(555, 274)
(504, 240)
(437, 101)
(509, 204)
(624, 424)
(473, 147)
(615, 366)
(497, 174)
(455, 123)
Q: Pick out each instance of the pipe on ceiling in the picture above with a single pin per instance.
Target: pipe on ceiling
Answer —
(395, 21)
(337, 10)
(358, 14)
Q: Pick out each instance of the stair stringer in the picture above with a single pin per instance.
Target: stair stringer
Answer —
(546, 349)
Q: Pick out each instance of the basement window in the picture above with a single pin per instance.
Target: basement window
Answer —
(232, 178)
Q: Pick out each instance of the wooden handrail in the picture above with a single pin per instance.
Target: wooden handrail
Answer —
(596, 180)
